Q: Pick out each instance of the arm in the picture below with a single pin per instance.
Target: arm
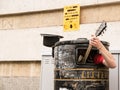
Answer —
(109, 60)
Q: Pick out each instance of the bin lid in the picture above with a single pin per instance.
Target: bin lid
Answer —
(50, 39)
(77, 41)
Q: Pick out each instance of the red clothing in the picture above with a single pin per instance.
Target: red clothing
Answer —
(98, 59)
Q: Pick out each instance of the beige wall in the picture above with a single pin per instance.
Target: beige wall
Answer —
(15, 6)
(20, 75)
(20, 28)
(89, 14)
(20, 69)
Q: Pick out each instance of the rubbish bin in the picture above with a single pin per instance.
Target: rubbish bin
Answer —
(71, 73)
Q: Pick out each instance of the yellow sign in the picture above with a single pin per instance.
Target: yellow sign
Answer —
(71, 18)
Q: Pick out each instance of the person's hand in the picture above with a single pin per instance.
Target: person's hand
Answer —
(109, 60)
(94, 41)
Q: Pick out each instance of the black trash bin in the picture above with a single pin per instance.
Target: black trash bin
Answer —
(71, 73)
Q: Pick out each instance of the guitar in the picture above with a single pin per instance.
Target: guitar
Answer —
(99, 31)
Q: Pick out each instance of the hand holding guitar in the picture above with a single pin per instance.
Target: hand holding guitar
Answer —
(99, 31)
(108, 59)
(96, 42)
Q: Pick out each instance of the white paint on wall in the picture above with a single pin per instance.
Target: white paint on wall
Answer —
(20, 6)
(19, 44)
(22, 44)
(27, 44)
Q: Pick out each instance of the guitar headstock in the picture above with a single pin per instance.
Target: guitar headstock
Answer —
(101, 29)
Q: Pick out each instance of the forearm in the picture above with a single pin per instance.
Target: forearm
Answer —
(109, 60)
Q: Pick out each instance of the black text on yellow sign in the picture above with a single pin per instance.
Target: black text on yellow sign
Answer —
(71, 18)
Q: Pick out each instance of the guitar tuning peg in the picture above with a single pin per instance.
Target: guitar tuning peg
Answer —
(102, 34)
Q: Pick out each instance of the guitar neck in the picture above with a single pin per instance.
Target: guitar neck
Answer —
(98, 32)
(87, 53)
